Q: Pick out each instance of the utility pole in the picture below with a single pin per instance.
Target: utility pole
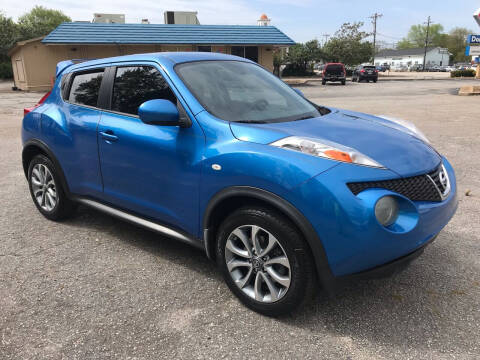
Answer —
(374, 18)
(426, 42)
(326, 36)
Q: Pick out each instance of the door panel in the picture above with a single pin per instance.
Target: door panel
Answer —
(75, 140)
(152, 170)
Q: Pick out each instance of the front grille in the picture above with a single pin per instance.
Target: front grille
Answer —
(427, 187)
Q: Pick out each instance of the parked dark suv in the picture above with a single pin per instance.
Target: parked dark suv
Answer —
(365, 72)
(334, 72)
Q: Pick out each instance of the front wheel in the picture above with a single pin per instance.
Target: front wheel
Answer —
(343, 82)
(324, 82)
(264, 261)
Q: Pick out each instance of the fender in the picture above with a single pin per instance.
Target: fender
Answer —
(319, 255)
(45, 149)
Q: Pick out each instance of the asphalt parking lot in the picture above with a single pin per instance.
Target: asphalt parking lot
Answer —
(95, 287)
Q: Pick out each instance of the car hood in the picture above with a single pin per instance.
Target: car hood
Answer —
(386, 142)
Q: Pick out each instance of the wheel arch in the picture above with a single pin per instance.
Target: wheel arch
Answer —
(34, 147)
(230, 199)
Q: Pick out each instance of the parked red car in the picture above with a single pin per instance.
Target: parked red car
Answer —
(334, 72)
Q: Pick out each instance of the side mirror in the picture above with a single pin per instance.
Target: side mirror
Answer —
(159, 112)
(299, 92)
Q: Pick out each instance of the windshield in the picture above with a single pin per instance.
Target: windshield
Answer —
(244, 92)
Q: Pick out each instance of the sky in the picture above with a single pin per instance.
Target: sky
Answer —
(302, 20)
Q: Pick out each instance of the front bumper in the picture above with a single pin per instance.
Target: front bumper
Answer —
(353, 240)
(388, 269)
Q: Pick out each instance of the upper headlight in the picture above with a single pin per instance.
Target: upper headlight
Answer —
(325, 149)
(412, 129)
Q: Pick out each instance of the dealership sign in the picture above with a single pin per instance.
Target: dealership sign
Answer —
(472, 51)
(473, 39)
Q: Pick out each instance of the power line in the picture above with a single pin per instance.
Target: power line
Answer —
(426, 42)
(374, 18)
(389, 36)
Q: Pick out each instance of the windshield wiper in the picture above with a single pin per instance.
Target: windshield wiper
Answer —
(305, 117)
(251, 121)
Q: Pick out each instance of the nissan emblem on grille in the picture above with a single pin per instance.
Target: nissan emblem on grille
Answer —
(434, 186)
(441, 181)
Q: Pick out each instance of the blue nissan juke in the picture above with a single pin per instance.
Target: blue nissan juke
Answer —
(213, 150)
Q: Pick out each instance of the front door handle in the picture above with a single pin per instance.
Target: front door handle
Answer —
(108, 135)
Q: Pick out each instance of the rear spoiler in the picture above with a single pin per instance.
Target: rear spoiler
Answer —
(62, 65)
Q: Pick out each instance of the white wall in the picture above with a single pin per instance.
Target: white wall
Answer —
(434, 57)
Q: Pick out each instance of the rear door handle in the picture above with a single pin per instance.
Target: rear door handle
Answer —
(108, 135)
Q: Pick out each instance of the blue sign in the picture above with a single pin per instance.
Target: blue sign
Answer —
(473, 39)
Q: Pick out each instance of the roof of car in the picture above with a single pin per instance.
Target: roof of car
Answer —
(161, 57)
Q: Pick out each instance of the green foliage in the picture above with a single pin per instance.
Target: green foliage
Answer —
(39, 22)
(300, 57)
(456, 43)
(463, 73)
(8, 36)
(348, 45)
(6, 70)
(418, 33)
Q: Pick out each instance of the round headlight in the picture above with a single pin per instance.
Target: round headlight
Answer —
(386, 210)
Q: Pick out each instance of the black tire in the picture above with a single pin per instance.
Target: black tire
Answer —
(353, 79)
(324, 82)
(375, 81)
(368, 81)
(343, 82)
(302, 274)
(64, 207)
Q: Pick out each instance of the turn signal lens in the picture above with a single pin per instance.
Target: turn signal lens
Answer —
(338, 155)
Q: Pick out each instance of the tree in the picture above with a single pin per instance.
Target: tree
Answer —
(39, 22)
(457, 42)
(348, 45)
(8, 37)
(418, 33)
(300, 56)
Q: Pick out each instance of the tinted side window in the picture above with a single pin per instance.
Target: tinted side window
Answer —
(85, 88)
(136, 84)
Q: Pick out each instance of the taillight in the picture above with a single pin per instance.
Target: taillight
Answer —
(40, 102)
(362, 71)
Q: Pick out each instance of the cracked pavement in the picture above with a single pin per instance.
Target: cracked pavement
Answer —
(94, 287)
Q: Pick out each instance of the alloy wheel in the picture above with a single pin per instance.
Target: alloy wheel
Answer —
(257, 263)
(43, 187)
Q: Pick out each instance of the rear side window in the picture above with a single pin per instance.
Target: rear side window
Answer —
(85, 88)
(136, 84)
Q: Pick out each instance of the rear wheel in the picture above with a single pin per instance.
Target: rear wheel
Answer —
(46, 190)
(324, 82)
(343, 82)
(375, 81)
(264, 261)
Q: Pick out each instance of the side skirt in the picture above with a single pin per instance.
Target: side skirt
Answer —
(134, 219)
